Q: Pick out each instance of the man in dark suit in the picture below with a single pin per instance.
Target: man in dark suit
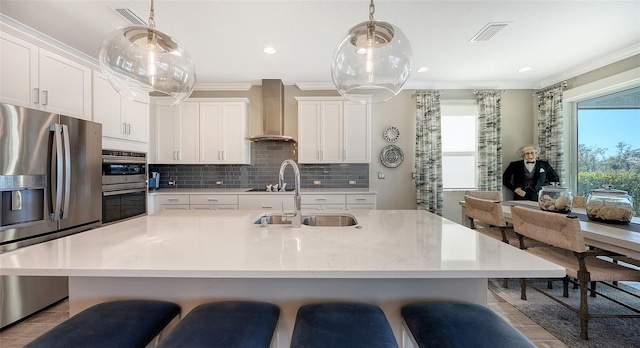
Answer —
(527, 176)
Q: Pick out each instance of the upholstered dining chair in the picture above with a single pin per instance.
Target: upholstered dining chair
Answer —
(485, 216)
(567, 248)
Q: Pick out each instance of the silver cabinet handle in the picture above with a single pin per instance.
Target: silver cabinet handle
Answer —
(45, 97)
(36, 95)
(124, 128)
(128, 128)
(211, 200)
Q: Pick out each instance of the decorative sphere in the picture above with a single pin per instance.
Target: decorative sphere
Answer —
(372, 63)
(140, 60)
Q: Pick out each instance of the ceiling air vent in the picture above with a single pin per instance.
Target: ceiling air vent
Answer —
(130, 16)
(488, 31)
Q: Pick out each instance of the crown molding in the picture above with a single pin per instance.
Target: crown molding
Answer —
(223, 86)
(593, 65)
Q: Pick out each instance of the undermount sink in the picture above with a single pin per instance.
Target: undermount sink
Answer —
(324, 220)
(330, 220)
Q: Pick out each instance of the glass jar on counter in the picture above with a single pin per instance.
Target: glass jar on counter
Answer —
(609, 205)
(555, 198)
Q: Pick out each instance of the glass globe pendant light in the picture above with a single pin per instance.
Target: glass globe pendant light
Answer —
(372, 63)
(140, 60)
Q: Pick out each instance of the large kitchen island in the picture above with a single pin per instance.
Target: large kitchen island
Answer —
(190, 257)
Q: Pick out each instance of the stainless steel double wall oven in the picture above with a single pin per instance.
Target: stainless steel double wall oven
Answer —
(124, 185)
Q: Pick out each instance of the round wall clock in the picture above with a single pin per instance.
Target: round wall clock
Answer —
(391, 134)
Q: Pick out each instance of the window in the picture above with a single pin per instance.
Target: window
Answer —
(459, 134)
(608, 146)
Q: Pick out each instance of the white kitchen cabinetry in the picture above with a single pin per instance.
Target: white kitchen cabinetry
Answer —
(211, 131)
(332, 130)
(213, 202)
(36, 78)
(177, 132)
(174, 202)
(223, 132)
(276, 202)
(361, 201)
(121, 118)
(323, 202)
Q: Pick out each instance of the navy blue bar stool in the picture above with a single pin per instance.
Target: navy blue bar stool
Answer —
(342, 325)
(122, 324)
(460, 325)
(228, 324)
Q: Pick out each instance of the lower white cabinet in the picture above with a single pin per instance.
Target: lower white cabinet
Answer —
(174, 202)
(361, 201)
(213, 202)
(276, 202)
(323, 202)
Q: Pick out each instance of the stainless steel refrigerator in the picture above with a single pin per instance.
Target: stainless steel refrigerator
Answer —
(50, 187)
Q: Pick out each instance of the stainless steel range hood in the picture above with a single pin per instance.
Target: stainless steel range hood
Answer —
(272, 112)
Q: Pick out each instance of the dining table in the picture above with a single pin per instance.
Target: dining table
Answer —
(618, 238)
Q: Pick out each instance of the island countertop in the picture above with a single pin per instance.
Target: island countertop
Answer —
(196, 244)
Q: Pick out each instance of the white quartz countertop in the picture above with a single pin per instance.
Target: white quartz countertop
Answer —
(210, 244)
(245, 190)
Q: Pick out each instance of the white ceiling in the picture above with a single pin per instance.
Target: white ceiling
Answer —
(225, 38)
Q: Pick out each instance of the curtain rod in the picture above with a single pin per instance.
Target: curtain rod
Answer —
(476, 91)
(562, 84)
(413, 94)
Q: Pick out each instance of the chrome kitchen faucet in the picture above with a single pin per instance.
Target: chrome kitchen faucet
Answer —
(296, 220)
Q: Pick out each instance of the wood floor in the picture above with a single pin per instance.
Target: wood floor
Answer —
(19, 335)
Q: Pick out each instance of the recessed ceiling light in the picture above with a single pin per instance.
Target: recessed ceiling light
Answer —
(423, 69)
(525, 69)
(269, 50)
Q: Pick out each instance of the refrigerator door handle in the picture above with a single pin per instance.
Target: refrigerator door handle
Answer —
(67, 171)
(56, 167)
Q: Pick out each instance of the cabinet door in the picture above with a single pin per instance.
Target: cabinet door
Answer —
(211, 132)
(167, 133)
(234, 132)
(65, 86)
(106, 107)
(189, 132)
(18, 71)
(357, 133)
(308, 132)
(135, 116)
(331, 132)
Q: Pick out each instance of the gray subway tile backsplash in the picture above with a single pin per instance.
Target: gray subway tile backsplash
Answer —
(266, 158)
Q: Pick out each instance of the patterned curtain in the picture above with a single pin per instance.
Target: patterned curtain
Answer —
(489, 140)
(428, 152)
(550, 128)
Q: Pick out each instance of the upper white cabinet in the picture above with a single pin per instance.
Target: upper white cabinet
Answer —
(121, 118)
(223, 132)
(208, 131)
(36, 78)
(177, 132)
(332, 130)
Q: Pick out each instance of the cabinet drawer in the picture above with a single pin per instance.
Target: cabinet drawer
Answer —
(361, 199)
(323, 199)
(174, 199)
(214, 207)
(275, 202)
(361, 207)
(214, 199)
(326, 207)
(174, 207)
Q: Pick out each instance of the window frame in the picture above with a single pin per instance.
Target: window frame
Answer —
(571, 98)
(462, 104)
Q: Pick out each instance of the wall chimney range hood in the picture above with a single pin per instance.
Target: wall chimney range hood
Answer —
(272, 112)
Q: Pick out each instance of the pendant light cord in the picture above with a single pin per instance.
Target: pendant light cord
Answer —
(372, 9)
(152, 23)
